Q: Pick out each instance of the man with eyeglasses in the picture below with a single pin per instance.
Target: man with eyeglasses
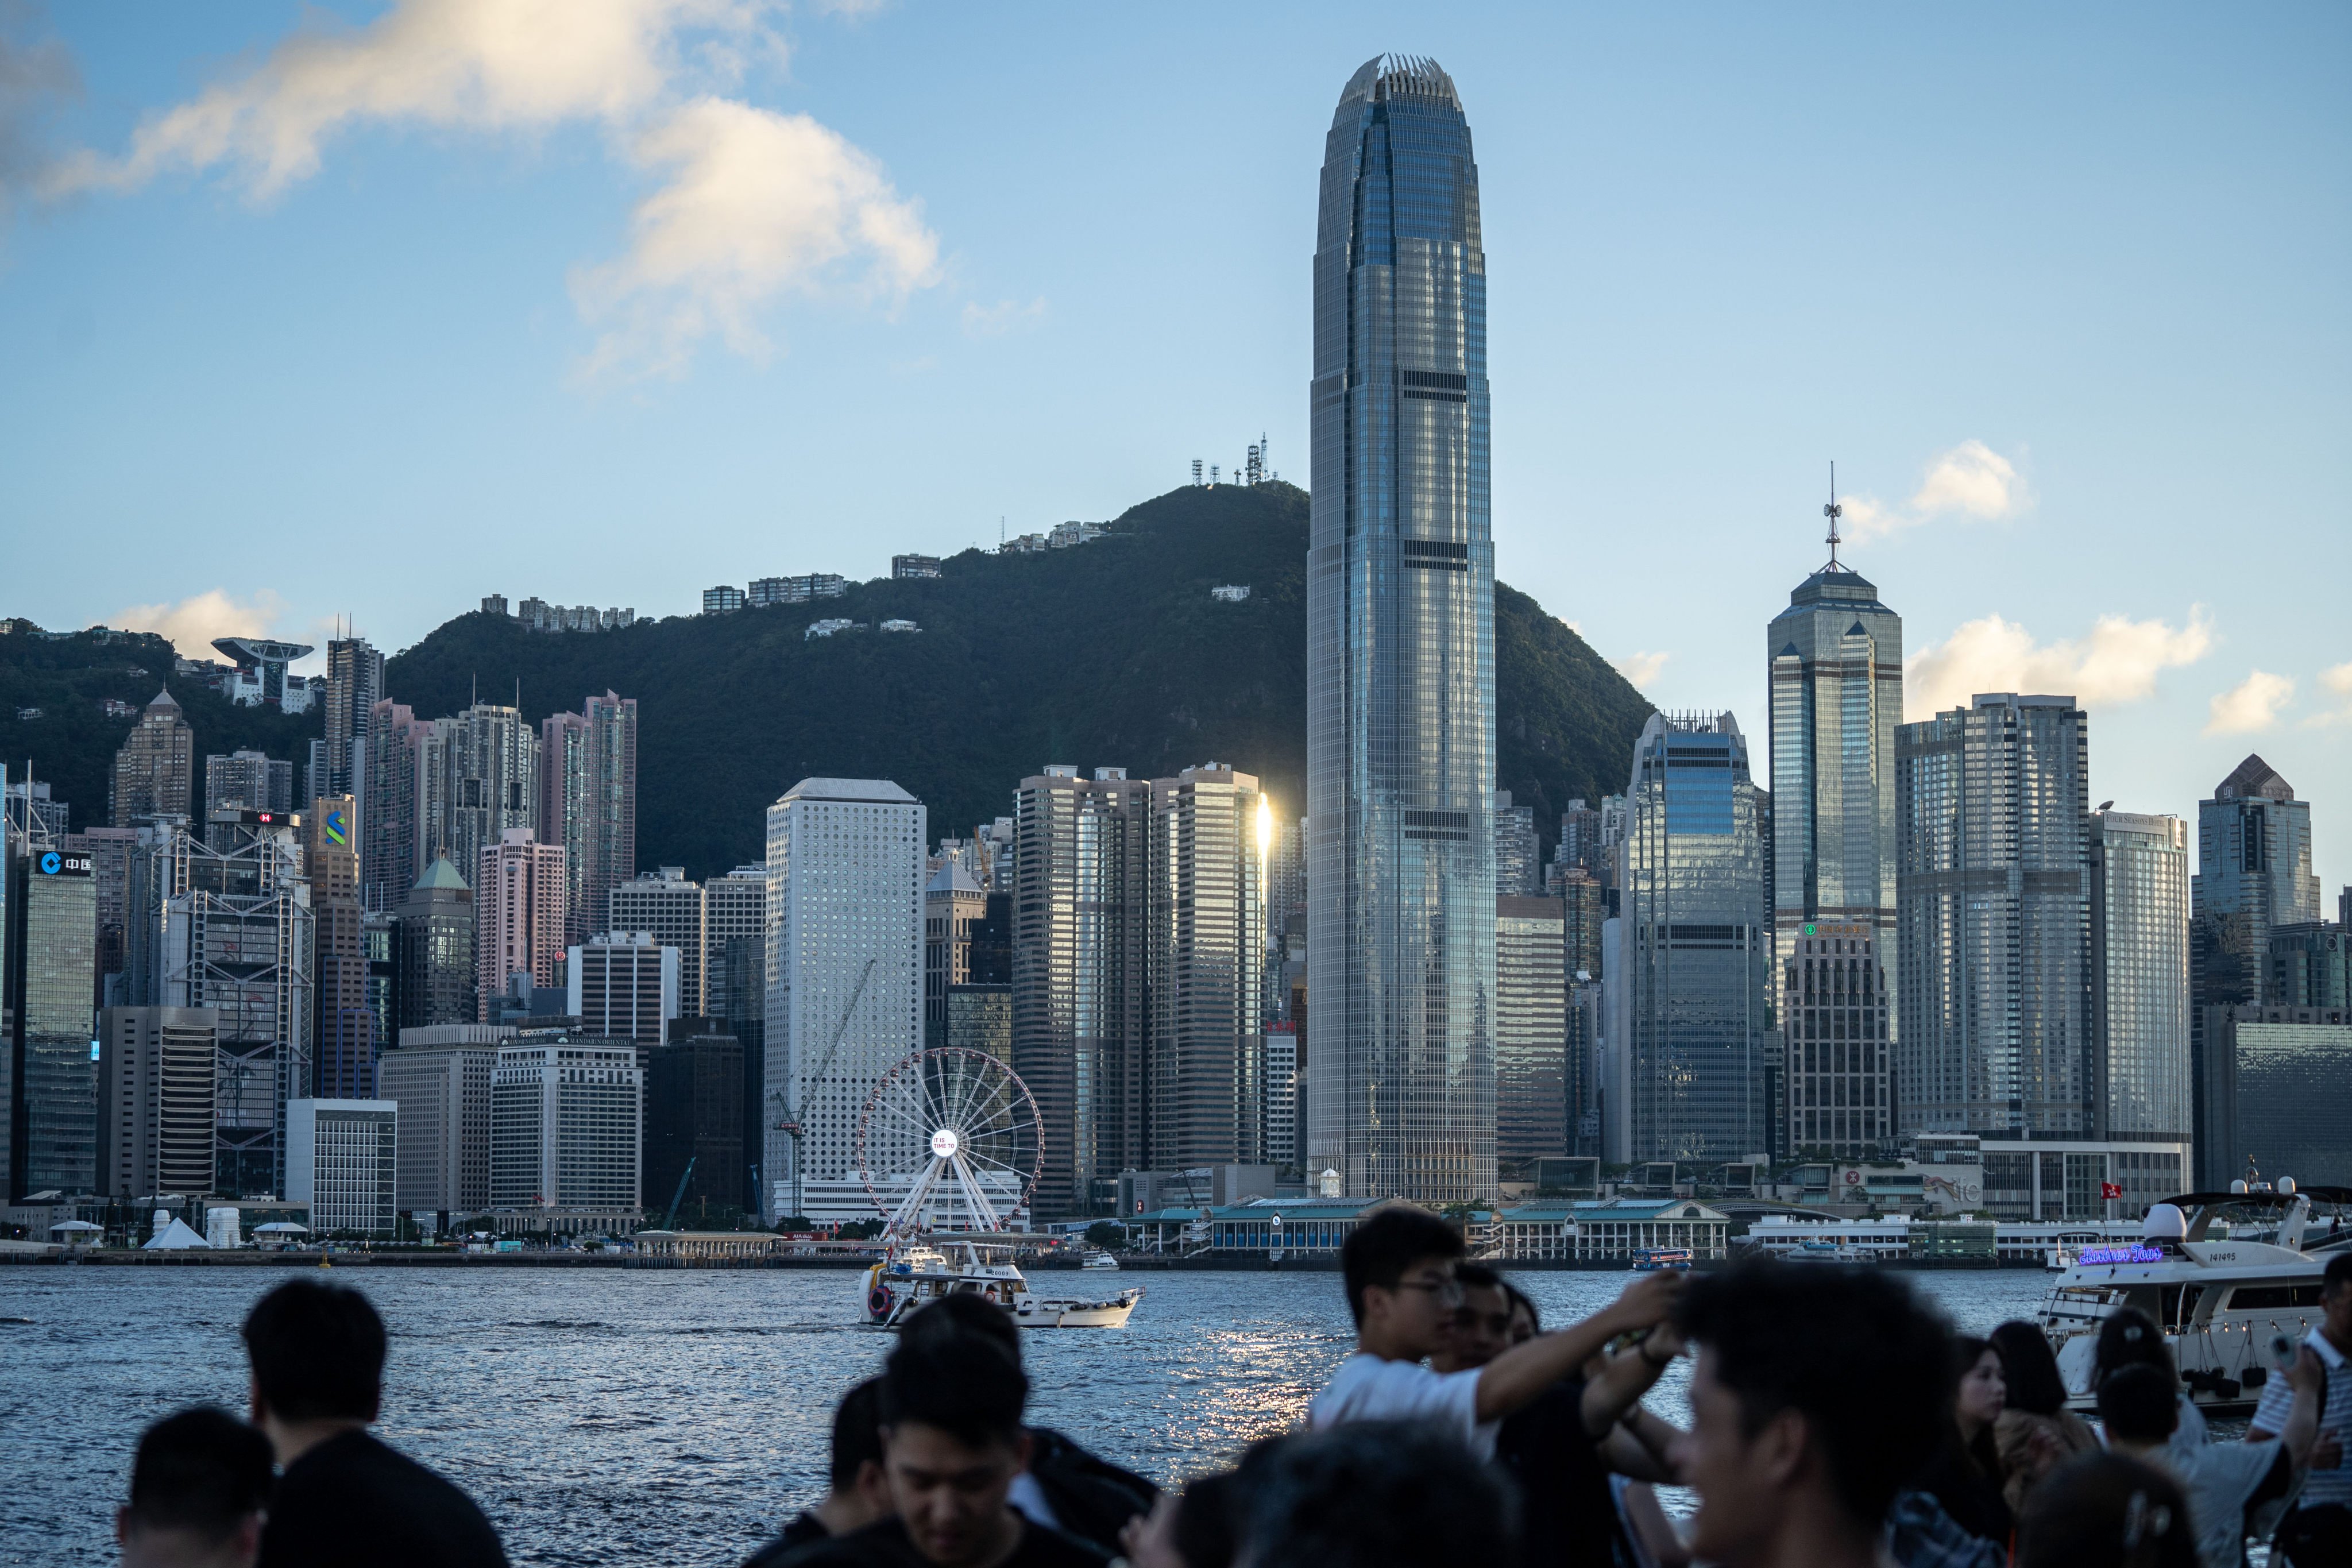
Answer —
(1399, 1267)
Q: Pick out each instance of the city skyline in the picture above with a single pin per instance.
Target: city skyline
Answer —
(2044, 426)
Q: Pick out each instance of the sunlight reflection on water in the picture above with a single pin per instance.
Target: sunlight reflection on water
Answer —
(610, 1417)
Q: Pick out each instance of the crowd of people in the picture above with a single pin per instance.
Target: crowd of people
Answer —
(1836, 1422)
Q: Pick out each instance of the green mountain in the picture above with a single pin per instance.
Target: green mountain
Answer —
(53, 690)
(1111, 653)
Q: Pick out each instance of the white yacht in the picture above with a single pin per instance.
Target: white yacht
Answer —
(1101, 1261)
(922, 1272)
(2219, 1298)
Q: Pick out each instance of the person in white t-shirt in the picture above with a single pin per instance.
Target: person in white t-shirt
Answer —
(1399, 1267)
(2234, 1489)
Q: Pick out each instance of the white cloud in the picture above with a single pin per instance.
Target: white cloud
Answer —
(1641, 669)
(1004, 316)
(2337, 680)
(1970, 480)
(753, 204)
(2250, 705)
(2118, 662)
(192, 623)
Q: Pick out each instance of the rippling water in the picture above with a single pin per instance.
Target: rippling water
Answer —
(626, 1416)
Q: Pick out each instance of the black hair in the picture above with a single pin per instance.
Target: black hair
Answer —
(1522, 1301)
(2032, 1368)
(317, 1352)
(2129, 1337)
(967, 1312)
(1967, 1349)
(2338, 1274)
(1206, 1536)
(202, 1470)
(1478, 1276)
(857, 1433)
(1849, 1349)
(1378, 1492)
(2104, 1511)
(1380, 1249)
(964, 1384)
(2139, 1404)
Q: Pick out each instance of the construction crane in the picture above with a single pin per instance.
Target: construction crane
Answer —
(790, 1126)
(678, 1196)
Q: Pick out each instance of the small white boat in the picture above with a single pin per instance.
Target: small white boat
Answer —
(2057, 1260)
(1100, 1260)
(1817, 1250)
(908, 1279)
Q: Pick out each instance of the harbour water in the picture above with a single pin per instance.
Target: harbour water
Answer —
(613, 1416)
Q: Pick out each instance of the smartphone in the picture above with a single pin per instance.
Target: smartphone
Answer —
(2283, 1352)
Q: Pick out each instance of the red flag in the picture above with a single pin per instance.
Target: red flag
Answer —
(2110, 1190)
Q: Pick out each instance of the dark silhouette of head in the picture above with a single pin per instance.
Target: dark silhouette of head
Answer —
(317, 1352)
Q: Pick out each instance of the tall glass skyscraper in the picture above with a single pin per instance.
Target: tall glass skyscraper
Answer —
(1401, 653)
(1689, 984)
(1835, 661)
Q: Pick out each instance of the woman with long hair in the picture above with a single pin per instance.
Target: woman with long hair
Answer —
(1965, 1475)
(2035, 1432)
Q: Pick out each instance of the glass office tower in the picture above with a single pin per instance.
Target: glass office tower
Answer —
(1690, 984)
(1835, 662)
(1401, 653)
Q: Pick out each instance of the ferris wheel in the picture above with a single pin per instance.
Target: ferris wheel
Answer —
(948, 1141)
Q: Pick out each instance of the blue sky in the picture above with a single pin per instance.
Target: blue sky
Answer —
(309, 311)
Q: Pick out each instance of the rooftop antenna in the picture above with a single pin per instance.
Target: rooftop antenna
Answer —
(1833, 511)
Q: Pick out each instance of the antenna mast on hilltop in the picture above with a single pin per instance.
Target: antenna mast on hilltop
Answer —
(1833, 511)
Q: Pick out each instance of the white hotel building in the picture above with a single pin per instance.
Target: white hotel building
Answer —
(567, 1119)
(844, 926)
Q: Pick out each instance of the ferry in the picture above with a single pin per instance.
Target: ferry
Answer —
(916, 1274)
(1819, 1250)
(2219, 1298)
(1650, 1259)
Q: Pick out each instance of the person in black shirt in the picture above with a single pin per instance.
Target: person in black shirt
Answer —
(345, 1499)
(198, 1487)
(952, 1443)
(858, 1493)
(1064, 1486)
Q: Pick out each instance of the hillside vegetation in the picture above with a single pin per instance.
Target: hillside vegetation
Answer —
(1110, 652)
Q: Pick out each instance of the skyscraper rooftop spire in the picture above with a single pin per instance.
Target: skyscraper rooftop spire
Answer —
(1833, 511)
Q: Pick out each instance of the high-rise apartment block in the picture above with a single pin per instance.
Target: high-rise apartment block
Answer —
(2139, 979)
(491, 785)
(1531, 1033)
(342, 1158)
(400, 802)
(844, 979)
(1688, 982)
(354, 687)
(2253, 873)
(155, 1100)
(154, 771)
(52, 935)
(248, 780)
(675, 913)
(1834, 660)
(1994, 1033)
(588, 790)
(624, 986)
(440, 1078)
(1401, 652)
(1518, 854)
(722, 600)
(903, 566)
(518, 915)
(567, 1119)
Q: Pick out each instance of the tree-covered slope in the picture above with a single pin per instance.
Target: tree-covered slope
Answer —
(1110, 652)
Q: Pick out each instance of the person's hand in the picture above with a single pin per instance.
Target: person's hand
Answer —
(1647, 1300)
(1662, 1344)
(1149, 1541)
(2306, 1375)
(2041, 1451)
